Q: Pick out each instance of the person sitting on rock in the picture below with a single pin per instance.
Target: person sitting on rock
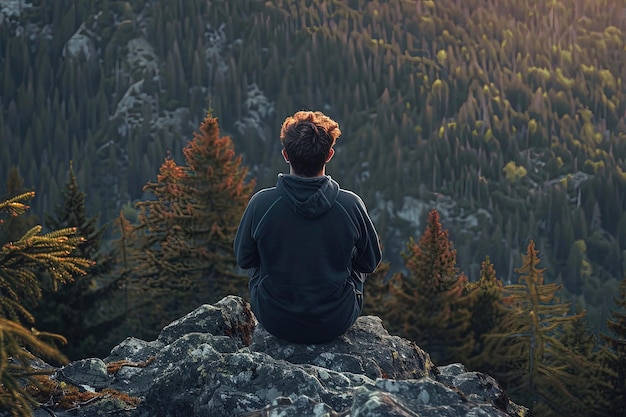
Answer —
(307, 243)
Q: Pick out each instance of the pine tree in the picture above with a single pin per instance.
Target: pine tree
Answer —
(616, 359)
(74, 308)
(376, 292)
(188, 230)
(15, 226)
(130, 301)
(525, 351)
(20, 262)
(433, 259)
(72, 213)
(598, 375)
(486, 309)
(428, 305)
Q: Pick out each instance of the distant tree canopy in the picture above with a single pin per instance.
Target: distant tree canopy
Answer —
(507, 117)
(511, 113)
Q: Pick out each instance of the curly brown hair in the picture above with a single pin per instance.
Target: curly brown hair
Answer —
(308, 137)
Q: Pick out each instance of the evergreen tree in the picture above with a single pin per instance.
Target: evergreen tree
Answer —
(525, 351)
(598, 375)
(187, 232)
(616, 341)
(433, 259)
(376, 292)
(14, 227)
(130, 301)
(72, 213)
(487, 310)
(21, 261)
(74, 308)
(428, 305)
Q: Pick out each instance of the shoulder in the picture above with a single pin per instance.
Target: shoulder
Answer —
(264, 195)
(348, 197)
(263, 199)
(352, 204)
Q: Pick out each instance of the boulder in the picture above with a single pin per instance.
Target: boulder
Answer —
(218, 361)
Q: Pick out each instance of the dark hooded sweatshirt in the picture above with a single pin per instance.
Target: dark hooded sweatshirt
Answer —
(307, 244)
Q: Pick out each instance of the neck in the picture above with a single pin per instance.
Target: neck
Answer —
(319, 174)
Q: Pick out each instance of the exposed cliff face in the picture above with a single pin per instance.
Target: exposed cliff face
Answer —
(216, 361)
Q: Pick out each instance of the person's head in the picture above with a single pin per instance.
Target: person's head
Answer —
(308, 138)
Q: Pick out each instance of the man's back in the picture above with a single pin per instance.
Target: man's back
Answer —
(308, 244)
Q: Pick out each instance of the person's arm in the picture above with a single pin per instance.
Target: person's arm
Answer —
(246, 252)
(367, 254)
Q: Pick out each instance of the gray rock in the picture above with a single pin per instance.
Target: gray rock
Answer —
(89, 374)
(230, 316)
(217, 361)
(366, 349)
(134, 350)
(478, 386)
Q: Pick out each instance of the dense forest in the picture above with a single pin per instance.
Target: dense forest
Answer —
(178, 254)
(508, 118)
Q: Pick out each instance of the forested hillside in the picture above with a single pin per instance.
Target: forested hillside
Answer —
(507, 116)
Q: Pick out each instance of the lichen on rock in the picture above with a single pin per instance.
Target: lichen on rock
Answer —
(218, 360)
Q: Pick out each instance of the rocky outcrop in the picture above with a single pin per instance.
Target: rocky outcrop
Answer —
(216, 361)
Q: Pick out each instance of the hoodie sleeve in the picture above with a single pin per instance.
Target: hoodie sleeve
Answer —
(246, 252)
(367, 254)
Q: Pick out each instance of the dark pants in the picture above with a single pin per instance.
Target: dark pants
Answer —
(357, 279)
(302, 330)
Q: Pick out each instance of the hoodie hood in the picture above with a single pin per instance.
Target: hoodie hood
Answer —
(309, 197)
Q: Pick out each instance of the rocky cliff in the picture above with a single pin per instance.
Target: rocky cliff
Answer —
(216, 361)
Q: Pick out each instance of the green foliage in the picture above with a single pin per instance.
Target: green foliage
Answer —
(427, 303)
(74, 309)
(487, 311)
(32, 252)
(21, 262)
(617, 322)
(72, 214)
(616, 359)
(433, 259)
(434, 98)
(525, 350)
(376, 291)
(19, 349)
(185, 235)
(15, 226)
(598, 372)
(130, 301)
(513, 172)
(579, 268)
